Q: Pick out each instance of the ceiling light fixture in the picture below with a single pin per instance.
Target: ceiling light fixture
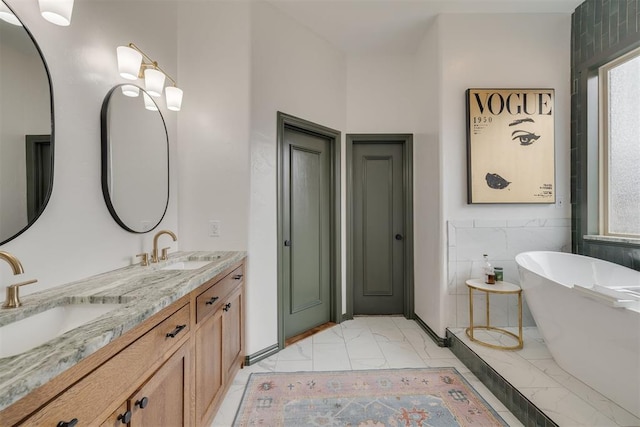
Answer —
(133, 64)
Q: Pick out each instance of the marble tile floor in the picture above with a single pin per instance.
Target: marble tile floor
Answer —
(532, 370)
(395, 342)
(362, 343)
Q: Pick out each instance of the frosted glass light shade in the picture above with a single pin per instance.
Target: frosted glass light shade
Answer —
(57, 11)
(129, 61)
(153, 81)
(130, 90)
(149, 103)
(174, 98)
(7, 16)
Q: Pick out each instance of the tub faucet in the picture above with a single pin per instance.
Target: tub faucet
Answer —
(154, 253)
(12, 299)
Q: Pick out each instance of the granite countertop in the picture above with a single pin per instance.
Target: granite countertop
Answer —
(142, 292)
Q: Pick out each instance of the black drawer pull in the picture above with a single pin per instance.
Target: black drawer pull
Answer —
(125, 418)
(142, 403)
(212, 300)
(227, 306)
(176, 331)
(71, 423)
(237, 277)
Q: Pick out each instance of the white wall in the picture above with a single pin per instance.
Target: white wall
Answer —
(295, 72)
(429, 275)
(506, 238)
(213, 129)
(424, 94)
(493, 50)
(399, 94)
(381, 94)
(76, 237)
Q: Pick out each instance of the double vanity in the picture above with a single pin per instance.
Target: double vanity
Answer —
(142, 345)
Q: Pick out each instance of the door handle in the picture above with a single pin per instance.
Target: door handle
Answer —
(287, 242)
(399, 237)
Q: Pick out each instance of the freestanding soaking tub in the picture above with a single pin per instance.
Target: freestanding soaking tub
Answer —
(588, 312)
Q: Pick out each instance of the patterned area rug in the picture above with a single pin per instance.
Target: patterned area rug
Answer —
(374, 398)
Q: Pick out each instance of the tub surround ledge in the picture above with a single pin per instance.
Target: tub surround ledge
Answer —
(142, 291)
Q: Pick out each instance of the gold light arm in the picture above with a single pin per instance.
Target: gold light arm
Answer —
(150, 64)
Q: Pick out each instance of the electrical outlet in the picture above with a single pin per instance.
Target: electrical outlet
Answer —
(214, 228)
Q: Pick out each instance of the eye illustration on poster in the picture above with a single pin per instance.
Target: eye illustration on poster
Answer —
(510, 146)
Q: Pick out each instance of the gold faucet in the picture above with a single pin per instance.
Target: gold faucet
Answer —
(12, 299)
(154, 253)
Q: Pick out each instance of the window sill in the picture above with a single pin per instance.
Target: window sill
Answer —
(613, 239)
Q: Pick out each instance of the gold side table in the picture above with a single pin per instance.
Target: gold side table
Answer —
(498, 288)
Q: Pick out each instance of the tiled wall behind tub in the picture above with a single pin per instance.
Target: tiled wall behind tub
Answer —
(502, 240)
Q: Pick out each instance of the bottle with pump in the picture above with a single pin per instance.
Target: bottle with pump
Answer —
(489, 273)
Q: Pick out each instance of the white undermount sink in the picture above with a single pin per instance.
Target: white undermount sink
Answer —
(186, 265)
(30, 332)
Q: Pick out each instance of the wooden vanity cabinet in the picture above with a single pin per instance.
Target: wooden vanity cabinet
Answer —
(92, 396)
(162, 401)
(219, 342)
(232, 336)
(171, 370)
(209, 385)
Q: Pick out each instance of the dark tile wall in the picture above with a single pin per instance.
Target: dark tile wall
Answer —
(601, 30)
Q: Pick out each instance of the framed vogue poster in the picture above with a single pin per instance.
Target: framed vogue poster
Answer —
(510, 146)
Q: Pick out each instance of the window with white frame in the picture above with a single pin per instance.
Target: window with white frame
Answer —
(620, 146)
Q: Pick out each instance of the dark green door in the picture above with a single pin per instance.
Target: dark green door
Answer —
(306, 229)
(378, 229)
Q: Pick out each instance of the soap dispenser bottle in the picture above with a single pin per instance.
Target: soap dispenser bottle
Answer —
(489, 273)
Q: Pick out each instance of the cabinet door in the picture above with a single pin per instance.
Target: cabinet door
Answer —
(232, 335)
(208, 365)
(163, 401)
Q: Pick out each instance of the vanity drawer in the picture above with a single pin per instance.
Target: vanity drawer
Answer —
(89, 398)
(209, 301)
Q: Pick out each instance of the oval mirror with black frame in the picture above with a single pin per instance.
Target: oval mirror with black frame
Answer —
(135, 159)
(26, 128)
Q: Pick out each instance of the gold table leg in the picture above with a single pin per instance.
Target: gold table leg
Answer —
(487, 302)
(520, 340)
(470, 330)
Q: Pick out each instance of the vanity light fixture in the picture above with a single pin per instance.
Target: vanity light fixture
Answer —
(154, 82)
(149, 103)
(130, 90)
(7, 15)
(133, 64)
(57, 11)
